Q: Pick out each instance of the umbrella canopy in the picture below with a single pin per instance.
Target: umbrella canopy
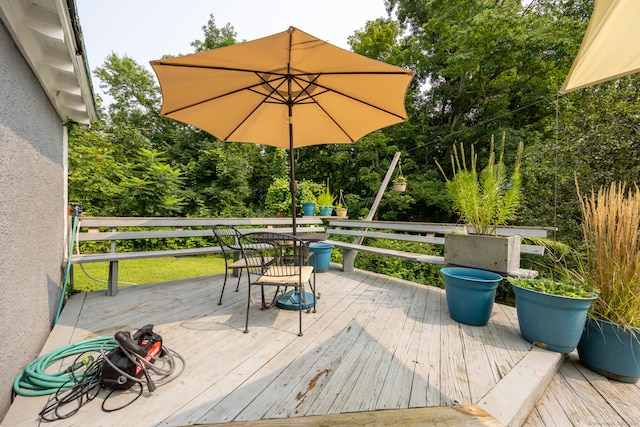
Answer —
(609, 48)
(286, 90)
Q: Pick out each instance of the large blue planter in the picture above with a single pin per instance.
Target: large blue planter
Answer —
(610, 350)
(322, 253)
(470, 294)
(552, 322)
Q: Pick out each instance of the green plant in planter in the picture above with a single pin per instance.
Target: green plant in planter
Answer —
(326, 198)
(487, 199)
(552, 287)
(400, 179)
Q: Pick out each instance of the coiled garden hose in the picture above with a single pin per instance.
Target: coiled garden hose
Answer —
(35, 381)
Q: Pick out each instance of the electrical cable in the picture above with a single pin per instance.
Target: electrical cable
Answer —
(86, 273)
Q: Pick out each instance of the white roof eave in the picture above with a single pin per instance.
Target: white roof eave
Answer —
(52, 46)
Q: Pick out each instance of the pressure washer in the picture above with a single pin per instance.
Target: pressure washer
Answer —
(114, 364)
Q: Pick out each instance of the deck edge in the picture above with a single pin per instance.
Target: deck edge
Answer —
(513, 398)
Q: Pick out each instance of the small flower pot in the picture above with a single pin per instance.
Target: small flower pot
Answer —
(326, 210)
(400, 187)
(308, 208)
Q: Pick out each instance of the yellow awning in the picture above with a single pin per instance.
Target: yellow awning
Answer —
(610, 47)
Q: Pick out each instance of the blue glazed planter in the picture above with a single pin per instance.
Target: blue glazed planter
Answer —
(552, 322)
(326, 210)
(308, 209)
(470, 294)
(609, 350)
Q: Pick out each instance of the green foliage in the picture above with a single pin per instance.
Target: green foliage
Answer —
(418, 272)
(278, 198)
(488, 199)
(151, 186)
(308, 191)
(215, 37)
(553, 287)
(94, 170)
(325, 198)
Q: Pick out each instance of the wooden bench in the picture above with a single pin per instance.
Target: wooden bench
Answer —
(419, 232)
(93, 229)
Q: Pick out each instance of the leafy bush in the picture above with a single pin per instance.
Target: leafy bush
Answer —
(418, 272)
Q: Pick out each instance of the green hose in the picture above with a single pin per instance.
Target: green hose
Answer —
(34, 381)
(66, 276)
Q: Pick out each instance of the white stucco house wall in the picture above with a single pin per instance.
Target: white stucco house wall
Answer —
(44, 81)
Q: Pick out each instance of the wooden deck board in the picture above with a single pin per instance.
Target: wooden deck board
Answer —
(580, 397)
(375, 344)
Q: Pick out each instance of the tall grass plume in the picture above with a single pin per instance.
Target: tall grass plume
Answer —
(611, 227)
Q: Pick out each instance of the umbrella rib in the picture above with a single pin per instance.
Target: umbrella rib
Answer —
(214, 67)
(328, 89)
(267, 96)
(251, 88)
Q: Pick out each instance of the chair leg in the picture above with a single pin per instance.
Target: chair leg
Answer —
(313, 290)
(301, 290)
(246, 325)
(239, 277)
(224, 284)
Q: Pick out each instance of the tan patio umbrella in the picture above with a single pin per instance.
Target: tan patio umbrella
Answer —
(286, 90)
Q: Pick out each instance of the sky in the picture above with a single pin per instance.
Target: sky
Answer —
(145, 30)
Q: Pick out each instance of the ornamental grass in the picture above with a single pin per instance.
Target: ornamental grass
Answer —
(611, 227)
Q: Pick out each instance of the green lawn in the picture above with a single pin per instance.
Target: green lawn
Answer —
(148, 270)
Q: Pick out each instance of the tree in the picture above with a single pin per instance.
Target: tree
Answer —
(95, 169)
(150, 187)
(215, 37)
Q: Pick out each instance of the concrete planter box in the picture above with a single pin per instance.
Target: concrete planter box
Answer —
(493, 253)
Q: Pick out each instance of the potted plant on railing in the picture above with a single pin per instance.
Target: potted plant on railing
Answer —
(484, 200)
(610, 344)
(325, 201)
(341, 207)
(308, 199)
(400, 184)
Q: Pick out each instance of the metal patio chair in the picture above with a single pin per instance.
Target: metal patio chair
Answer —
(284, 265)
(228, 239)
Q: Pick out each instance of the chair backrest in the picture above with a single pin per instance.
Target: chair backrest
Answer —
(281, 253)
(228, 238)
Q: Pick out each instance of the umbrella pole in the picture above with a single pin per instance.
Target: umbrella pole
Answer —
(293, 188)
(292, 184)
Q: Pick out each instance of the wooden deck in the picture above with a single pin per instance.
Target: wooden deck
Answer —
(375, 345)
